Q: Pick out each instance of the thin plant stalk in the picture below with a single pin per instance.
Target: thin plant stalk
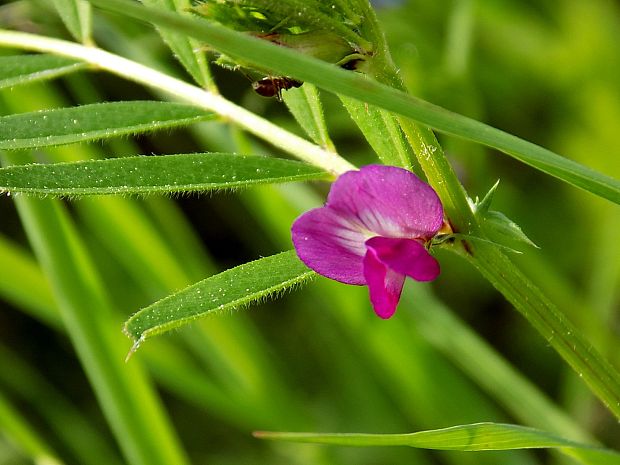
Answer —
(149, 77)
(602, 378)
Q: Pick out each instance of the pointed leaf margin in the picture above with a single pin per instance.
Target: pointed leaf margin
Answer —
(93, 122)
(23, 69)
(229, 290)
(198, 172)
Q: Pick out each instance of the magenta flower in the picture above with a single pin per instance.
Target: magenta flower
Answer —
(372, 232)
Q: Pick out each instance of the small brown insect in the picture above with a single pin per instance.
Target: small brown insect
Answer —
(273, 86)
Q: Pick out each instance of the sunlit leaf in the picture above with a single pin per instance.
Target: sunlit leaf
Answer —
(234, 288)
(91, 122)
(151, 174)
(23, 69)
(474, 437)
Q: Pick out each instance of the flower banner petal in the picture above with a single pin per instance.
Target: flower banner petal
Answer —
(388, 201)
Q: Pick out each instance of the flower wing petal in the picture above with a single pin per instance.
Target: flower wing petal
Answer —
(388, 201)
(330, 245)
(405, 256)
(384, 284)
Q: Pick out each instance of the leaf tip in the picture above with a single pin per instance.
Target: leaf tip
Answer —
(136, 344)
(483, 205)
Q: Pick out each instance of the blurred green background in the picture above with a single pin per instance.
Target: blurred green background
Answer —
(317, 359)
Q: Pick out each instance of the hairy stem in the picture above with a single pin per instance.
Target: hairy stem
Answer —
(149, 77)
(602, 378)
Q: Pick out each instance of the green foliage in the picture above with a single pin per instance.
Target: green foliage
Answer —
(318, 360)
(382, 131)
(24, 436)
(93, 122)
(498, 226)
(305, 105)
(229, 290)
(76, 15)
(185, 49)
(23, 69)
(266, 16)
(476, 437)
(145, 175)
(503, 230)
(124, 392)
(289, 63)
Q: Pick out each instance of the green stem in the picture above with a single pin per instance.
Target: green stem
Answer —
(598, 374)
(288, 62)
(149, 77)
(602, 378)
(441, 176)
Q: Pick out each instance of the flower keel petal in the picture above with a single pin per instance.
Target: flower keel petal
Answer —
(384, 285)
(405, 256)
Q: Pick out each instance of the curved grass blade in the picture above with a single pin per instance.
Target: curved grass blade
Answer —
(24, 69)
(234, 288)
(185, 49)
(305, 105)
(151, 174)
(473, 437)
(76, 15)
(290, 63)
(92, 122)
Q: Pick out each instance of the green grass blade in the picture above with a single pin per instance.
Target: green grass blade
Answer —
(472, 354)
(305, 105)
(234, 288)
(124, 392)
(25, 286)
(92, 122)
(76, 15)
(24, 69)
(172, 368)
(601, 376)
(382, 132)
(21, 433)
(152, 174)
(290, 63)
(185, 49)
(84, 439)
(474, 437)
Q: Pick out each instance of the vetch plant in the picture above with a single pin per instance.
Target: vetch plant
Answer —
(373, 230)
(91, 264)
